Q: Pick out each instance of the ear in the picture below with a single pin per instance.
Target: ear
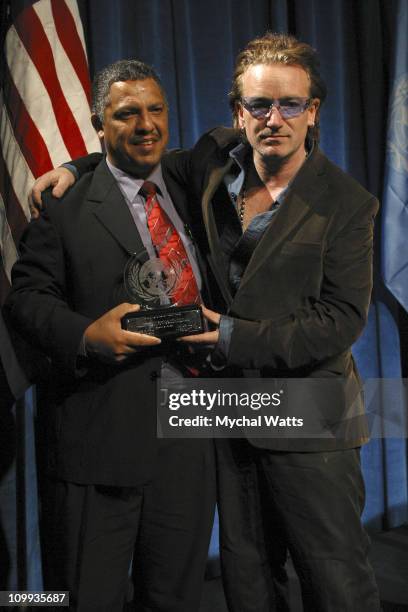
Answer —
(239, 113)
(312, 112)
(98, 126)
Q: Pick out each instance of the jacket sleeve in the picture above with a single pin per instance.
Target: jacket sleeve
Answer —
(320, 328)
(189, 167)
(85, 164)
(37, 305)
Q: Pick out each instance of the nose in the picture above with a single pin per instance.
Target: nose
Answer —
(275, 118)
(144, 122)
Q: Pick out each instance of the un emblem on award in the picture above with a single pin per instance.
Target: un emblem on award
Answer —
(153, 284)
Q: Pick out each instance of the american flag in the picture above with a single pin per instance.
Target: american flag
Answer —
(44, 108)
(44, 114)
(44, 121)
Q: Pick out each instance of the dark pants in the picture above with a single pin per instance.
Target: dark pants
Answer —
(164, 525)
(307, 503)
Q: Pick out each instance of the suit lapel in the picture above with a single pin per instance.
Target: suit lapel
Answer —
(178, 195)
(108, 204)
(300, 201)
(215, 177)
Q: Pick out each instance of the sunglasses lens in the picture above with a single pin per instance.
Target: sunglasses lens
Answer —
(291, 111)
(286, 110)
(259, 113)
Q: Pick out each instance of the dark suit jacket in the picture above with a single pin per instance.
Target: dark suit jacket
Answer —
(103, 423)
(304, 296)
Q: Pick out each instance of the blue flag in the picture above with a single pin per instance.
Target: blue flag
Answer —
(395, 200)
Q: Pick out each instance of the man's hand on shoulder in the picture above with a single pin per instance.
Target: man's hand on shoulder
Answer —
(106, 340)
(60, 179)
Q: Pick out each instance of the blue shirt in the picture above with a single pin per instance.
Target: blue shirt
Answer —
(240, 250)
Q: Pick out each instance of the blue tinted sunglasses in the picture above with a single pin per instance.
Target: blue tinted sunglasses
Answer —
(260, 108)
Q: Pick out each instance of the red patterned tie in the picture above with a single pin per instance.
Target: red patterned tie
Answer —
(169, 247)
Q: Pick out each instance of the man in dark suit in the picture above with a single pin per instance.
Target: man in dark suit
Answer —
(290, 243)
(119, 489)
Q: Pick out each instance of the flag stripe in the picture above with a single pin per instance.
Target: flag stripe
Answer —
(70, 40)
(7, 246)
(44, 111)
(31, 32)
(16, 164)
(71, 85)
(10, 209)
(36, 101)
(17, 124)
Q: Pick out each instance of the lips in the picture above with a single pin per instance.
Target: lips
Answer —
(147, 142)
(272, 136)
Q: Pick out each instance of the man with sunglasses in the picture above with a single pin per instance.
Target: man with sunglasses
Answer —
(289, 239)
(290, 243)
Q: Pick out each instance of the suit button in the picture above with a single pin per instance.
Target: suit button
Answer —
(154, 375)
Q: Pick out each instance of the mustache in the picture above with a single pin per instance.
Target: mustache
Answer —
(269, 132)
(145, 138)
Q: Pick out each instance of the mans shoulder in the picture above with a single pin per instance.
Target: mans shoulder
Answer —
(97, 178)
(220, 139)
(187, 166)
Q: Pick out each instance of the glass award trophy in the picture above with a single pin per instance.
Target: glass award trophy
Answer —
(153, 284)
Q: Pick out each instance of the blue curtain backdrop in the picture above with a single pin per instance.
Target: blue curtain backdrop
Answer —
(193, 44)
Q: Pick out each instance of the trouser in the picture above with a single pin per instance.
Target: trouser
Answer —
(307, 503)
(164, 525)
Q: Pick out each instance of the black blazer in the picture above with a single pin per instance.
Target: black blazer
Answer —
(304, 297)
(103, 422)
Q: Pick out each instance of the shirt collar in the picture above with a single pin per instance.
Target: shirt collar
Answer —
(239, 154)
(131, 185)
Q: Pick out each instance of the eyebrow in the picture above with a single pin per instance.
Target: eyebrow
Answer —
(265, 99)
(136, 107)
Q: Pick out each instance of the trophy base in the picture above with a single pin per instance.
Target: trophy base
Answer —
(167, 322)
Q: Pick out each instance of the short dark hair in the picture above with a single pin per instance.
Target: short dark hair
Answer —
(122, 70)
(275, 48)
